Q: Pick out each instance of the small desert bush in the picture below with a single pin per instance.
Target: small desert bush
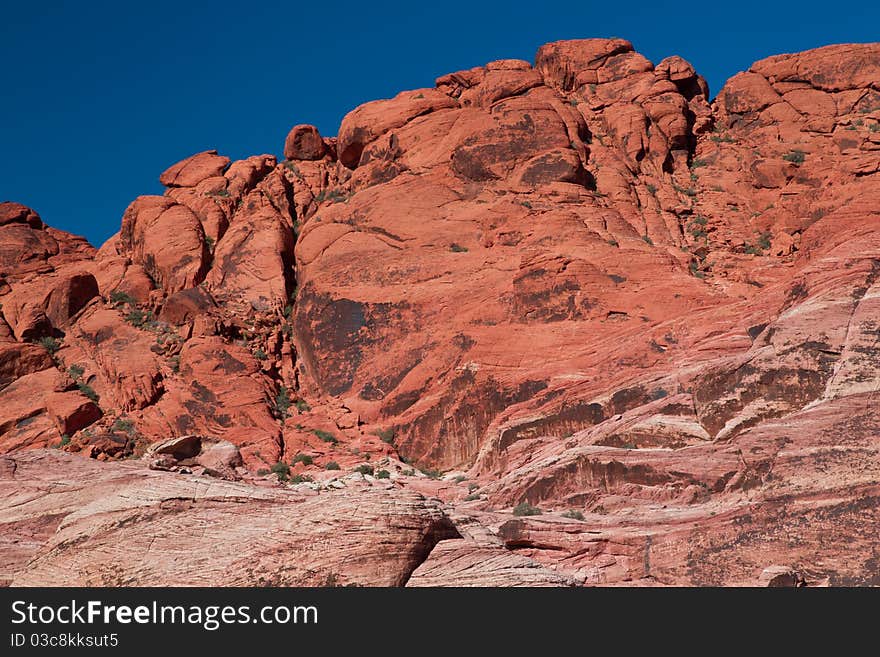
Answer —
(326, 436)
(526, 509)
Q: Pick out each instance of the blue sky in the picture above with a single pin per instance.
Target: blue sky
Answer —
(99, 98)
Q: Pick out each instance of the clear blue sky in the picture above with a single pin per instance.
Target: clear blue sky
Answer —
(98, 98)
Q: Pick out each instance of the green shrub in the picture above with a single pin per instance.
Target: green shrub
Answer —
(574, 515)
(326, 436)
(331, 465)
(50, 344)
(460, 478)
(282, 404)
(88, 391)
(118, 298)
(75, 372)
(209, 241)
(334, 195)
(383, 474)
(281, 470)
(526, 509)
(472, 497)
(364, 469)
(652, 188)
(409, 472)
(259, 354)
(138, 318)
(699, 162)
(302, 406)
(432, 474)
(727, 139)
(647, 240)
(795, 156)
(764, 240)
(386, 435)
(300, 478)
(457, 248)
(65, 440)
(122, 424)
(305, 459)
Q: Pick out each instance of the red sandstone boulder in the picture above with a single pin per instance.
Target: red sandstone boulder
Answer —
(304, 143)
(253, 262)
(567, 64)
(17, 360)
(70, 411)
(16, 213)
(24, 420)
(24, 249)
(186, 305)
(194, 169)
(35, 309)
(220, 392)
(167, 240)
(371, 120)
(116, 346)
(28, 246)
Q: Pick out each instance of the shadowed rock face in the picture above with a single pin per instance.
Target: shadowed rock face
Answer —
(577, 284)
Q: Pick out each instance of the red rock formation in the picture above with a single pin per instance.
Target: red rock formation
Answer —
(581, 285)
(304, 143)
(193, 170)
(378, 536)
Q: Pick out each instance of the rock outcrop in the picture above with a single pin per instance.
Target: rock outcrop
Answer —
(582, 289)
(128, 526)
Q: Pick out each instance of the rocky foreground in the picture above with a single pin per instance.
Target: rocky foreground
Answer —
(559, 324)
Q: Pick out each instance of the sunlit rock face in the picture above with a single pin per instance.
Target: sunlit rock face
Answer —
(579, 286)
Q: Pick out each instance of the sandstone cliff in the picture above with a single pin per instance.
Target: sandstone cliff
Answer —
(582, 288)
